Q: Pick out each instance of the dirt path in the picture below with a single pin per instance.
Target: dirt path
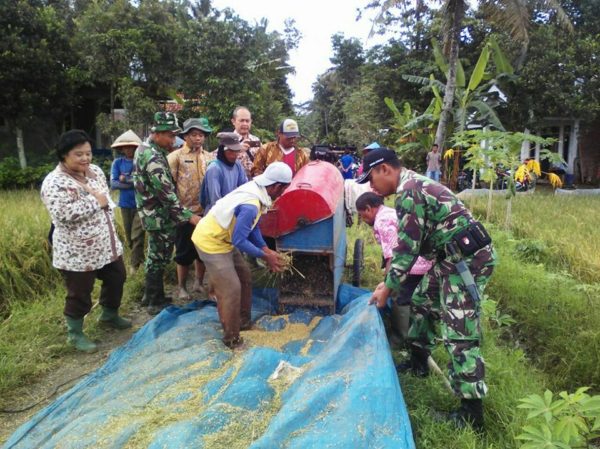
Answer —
(71, 366)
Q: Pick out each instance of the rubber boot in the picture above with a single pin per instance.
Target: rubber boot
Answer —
(155, 293)
(417, 364)
(469, 413)
(110, 317)
(76, 337)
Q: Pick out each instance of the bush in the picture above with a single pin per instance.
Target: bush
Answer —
(12, 176)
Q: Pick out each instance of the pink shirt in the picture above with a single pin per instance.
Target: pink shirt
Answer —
(386, 234)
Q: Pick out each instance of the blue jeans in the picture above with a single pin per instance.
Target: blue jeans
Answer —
(435, 175)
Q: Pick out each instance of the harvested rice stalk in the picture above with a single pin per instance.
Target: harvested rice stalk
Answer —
(269, 278)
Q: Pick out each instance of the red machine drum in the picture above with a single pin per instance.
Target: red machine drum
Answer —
(312, 196)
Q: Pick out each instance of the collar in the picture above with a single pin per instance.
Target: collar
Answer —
(187, 150)
(288, 151)
(404, 175)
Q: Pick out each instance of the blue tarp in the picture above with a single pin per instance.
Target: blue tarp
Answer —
(175, 385)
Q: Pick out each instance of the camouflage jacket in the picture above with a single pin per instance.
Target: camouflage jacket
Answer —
(428, 216)
(271, 152)
(155, 194)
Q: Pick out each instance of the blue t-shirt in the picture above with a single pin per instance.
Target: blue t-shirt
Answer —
(219, 180)
(123, 166)
(347, 161)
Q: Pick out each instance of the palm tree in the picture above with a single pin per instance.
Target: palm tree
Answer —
(510, 15)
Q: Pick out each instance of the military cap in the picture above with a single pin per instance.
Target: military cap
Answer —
(165, 121)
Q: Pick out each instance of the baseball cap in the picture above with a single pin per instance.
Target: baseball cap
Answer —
(289, 128)
(373, 159)
(231, 141)
(276, 172)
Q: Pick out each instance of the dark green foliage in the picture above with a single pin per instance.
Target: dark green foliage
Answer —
(13, 177)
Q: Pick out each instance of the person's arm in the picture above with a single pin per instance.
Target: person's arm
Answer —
(411, 228)
(63, 207)
(242, 178)
(213, 184)
(242, 237)
(115, 175)
(164, 190)
(173, 160)
(259, 161)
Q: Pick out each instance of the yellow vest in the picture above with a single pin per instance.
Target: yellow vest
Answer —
(210, 237)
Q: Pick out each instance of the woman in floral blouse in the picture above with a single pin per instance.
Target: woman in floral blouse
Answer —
(85, 243)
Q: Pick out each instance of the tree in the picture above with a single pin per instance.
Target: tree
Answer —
(511, 15)
(33, 55)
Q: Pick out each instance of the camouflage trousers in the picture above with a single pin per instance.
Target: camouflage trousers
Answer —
(160, 250)
(441, 298)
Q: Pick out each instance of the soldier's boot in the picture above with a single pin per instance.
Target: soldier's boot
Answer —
(164, 299)
(470, 413)
(76, 337)
(417, 364)
(110, 317)
(154, 293)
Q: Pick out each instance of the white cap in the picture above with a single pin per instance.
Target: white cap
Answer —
(276, 172)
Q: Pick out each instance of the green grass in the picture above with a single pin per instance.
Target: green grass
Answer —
(569, 226)
(32, 330)
(510, 376)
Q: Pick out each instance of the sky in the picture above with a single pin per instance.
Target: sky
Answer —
(317, 21)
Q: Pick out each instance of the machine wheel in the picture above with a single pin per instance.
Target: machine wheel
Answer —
(358, 261)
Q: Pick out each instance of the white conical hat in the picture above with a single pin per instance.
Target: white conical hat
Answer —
(127, 139)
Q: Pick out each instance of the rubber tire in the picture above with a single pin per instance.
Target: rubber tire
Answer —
(358, 261)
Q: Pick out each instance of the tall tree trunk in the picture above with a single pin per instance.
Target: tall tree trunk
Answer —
(21, 147)
(457, 9)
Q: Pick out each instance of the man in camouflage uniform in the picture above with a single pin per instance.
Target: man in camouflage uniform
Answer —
(158, 205)
(431, 220)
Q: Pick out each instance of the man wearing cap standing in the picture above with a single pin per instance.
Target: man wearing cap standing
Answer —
(122, 179)
(225, 174)
(241, 119)
(433, 223)
(159, 208)
(229, 229)
(188, 166)
(283, 150)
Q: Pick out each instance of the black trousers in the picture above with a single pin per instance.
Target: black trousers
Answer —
(80, 285)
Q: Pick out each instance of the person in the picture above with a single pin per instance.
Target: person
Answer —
(283, 150)
(345, 165)
(224, 175)
(187, 169)
(85, 246)
(121, 179)
(365, 151)
(384, 222)
(241, 119)
(229, 229)
(434, 162)
(159, 208)
(433, 223)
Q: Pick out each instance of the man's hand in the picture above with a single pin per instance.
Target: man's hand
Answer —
(273, 261)
(380, 296)
(122, 178)
(194, 219)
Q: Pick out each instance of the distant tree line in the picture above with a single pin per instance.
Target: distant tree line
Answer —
(60, 56)
(555, 66)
